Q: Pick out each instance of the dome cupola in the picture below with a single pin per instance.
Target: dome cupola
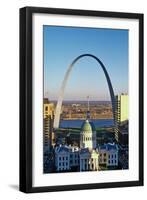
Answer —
(88, 135)
(88, 132)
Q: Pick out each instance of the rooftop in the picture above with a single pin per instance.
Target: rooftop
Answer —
(65, 148)
(88, 126)
(108, 147)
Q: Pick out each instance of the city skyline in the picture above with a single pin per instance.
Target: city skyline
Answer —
(63, 44)
(86, 140)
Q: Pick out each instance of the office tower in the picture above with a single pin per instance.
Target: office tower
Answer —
(48, 119)
(121, 117)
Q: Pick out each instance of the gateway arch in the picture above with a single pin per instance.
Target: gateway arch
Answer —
(61, 94)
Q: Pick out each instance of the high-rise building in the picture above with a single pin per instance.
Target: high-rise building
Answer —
(121, 108)
(121, 114)
(48, 119)
(48, 109)
(48, 136)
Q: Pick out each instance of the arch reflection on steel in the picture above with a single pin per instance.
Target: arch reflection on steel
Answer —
(61, 94)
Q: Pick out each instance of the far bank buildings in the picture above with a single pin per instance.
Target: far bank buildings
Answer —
(88, 156)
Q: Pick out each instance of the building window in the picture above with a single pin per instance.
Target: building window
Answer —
(59, 158)
(104, 154)
(104, 159)
(112, 155)
(46, 108)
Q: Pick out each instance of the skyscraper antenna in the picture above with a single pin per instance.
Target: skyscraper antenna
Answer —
(88, 103)
(88, 111)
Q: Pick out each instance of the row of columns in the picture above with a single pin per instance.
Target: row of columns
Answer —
(88, 164)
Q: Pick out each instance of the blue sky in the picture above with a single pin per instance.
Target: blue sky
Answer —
(63, 44)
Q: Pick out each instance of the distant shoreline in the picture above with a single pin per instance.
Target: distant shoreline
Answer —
(82, 102)
(102, 118)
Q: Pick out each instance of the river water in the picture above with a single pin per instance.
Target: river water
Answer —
(78, 123)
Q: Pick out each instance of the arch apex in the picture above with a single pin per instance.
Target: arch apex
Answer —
(61, 94)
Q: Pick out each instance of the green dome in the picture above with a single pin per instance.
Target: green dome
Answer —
(88, 126)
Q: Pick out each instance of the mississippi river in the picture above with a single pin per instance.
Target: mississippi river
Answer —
(78, 123)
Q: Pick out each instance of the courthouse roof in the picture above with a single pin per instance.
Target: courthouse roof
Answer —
(108, 147)
(88, 126)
